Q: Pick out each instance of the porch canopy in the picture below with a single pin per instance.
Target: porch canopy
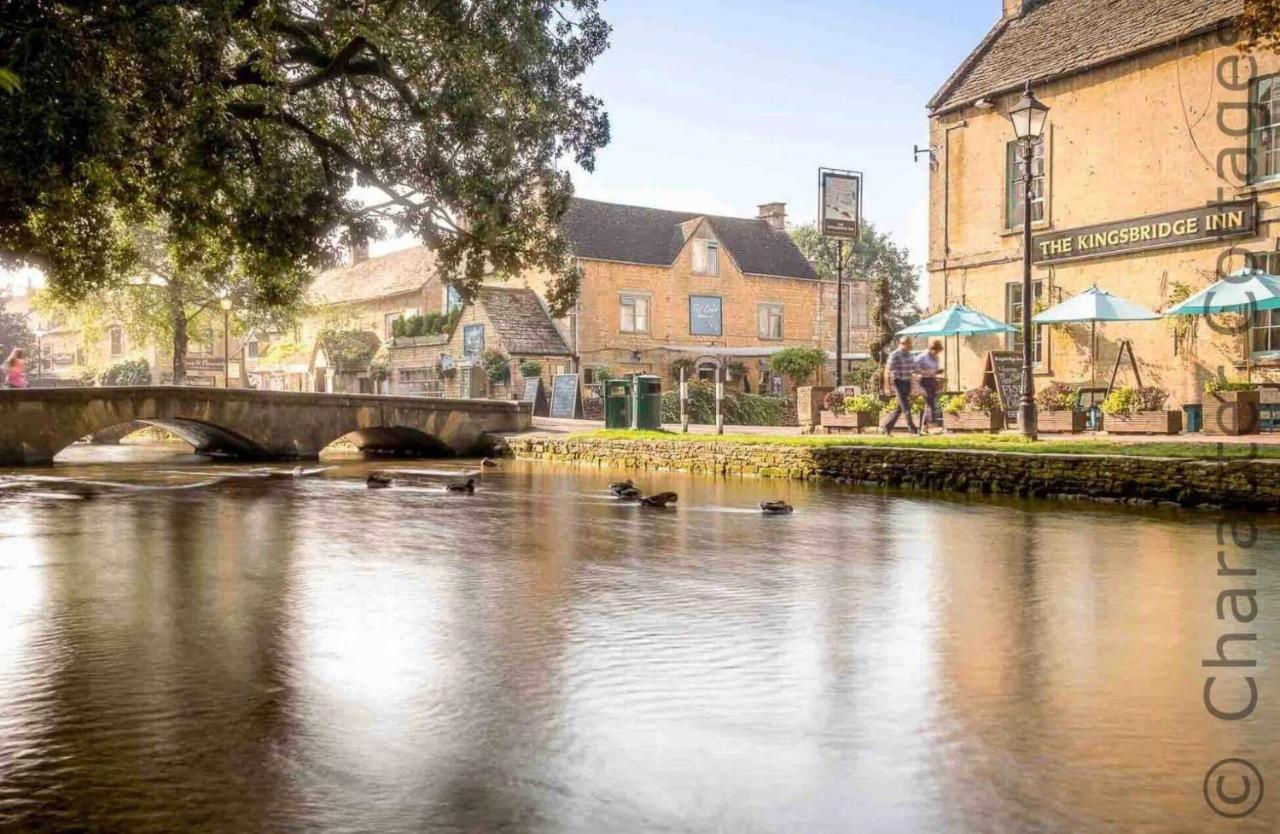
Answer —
(1094, 305)
(957, 320)
(1243, 291)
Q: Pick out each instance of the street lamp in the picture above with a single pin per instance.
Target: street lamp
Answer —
(225, 301)
(40, 354)
(1028, 116)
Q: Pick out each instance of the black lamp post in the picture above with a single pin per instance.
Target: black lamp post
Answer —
(225, 302)
(1028, 116)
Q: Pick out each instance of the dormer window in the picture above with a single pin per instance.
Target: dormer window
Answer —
(706, 257)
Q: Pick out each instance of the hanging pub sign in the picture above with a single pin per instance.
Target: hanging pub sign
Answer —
(1215, 221)
(472, 340)
(839, 203)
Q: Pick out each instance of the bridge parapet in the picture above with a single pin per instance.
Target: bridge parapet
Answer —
(35, 424)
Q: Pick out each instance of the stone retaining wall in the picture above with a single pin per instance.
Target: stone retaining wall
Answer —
(1251, 484)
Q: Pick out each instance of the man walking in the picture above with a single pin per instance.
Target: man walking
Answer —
(897, 374)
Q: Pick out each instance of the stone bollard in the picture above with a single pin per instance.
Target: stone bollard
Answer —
(809, 400)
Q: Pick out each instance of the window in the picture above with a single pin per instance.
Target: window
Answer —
(859, 313)
(706, 257)
(1013, 316)
(1264, 128)
(708, 371)
(453, 299)
(1014, 177)
(251, 349)
(704, 315)
(769, 321)
(634, 311)
(117, 341)
(1266, 331)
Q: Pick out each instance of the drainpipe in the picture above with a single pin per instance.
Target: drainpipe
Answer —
(946, 230)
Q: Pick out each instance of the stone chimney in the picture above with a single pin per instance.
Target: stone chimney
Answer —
(359, 250)
(1016, 8)
(775, 214)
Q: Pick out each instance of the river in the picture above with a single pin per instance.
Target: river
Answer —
(184, 650)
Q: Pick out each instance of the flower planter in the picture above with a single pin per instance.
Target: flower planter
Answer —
(1231, 412)
(856, 423)
(988, 421)
(1144, 422)
(1061, 422)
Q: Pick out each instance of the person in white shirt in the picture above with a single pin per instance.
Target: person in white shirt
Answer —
(928, 365)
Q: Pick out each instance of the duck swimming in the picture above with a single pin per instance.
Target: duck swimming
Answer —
(488, 462)
(376, 481)
(661, 500)
(618, 487)
(776, 508)
(629, 494)
(469, 486)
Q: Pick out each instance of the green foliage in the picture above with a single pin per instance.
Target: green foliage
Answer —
(737, 409)
(797, 363)
(981, 399)
(430, 324)
(864, 404)
(866, 375)
(1057, 397)
(687, 365)
(496, 366)
(129, 372)
(1222, 385)
(250, 122)
(877, 260)
(1128, 400)
(602, 373)
(14, 332)
(530, 368)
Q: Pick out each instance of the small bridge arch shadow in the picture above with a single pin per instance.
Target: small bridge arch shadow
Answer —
(390, 441)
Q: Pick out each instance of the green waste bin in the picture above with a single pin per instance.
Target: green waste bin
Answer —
(617, 404)
(648, 394)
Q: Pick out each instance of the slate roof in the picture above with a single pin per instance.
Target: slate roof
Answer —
(387, 275)
(634, 234)
(1054, 38)
(523, 326)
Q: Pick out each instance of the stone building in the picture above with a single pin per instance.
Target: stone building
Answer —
(509, 322)
(664, 285)
(1158, 169)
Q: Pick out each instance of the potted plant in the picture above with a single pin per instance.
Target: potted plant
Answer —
(530, 368)
(1057, 410)
(851, 412)
(975, 410)
(496, 366)
(1132, 410)
(1231, 408)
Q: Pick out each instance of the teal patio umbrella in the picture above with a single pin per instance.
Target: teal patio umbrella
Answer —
(957, 320)
(1243, 291)
(1094, 305)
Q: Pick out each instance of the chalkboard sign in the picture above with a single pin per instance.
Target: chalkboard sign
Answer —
(704, 315)
(566, 397)
(472, 340)
(1004, 374)
(535, 395)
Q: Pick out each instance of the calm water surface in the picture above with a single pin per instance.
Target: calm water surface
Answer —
(279, 655)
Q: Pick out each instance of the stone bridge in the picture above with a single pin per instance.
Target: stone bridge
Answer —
(36, 424)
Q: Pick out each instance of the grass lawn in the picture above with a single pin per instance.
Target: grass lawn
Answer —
(985, 443)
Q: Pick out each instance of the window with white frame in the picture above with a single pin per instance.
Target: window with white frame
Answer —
(1015, 177)
(1013, 316)
(634, 313)
(1266, 323)
(859, 312)
(769, 318)
(1264, 128)
(706, 257)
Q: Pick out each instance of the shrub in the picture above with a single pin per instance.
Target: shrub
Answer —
(1057, 397)
(431, 324)
(1129, 400)
(128, 372)
(1222, 385)
(865, 404)
(686, 365)
(834, 400)
(495, 366)
(1151, 398)
(737, 409)
(530, 368)
(975, 399)
(797, 363)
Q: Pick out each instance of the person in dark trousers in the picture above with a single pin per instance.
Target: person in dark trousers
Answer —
(897, 377)
(928, 364)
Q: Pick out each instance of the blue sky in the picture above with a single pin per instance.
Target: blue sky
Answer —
(718, 106)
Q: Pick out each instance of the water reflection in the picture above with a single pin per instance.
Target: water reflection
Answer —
(311, 655)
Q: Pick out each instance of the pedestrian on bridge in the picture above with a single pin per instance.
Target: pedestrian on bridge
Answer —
(15, 369)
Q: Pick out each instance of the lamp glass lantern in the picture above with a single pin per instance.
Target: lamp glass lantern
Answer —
(1028, 115)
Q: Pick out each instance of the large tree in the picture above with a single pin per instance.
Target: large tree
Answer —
(254, 121)
(1260, 24)
(877, 260)
(14, 332)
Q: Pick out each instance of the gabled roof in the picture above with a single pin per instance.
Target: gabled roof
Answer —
(524, 327)
(1056, 38)
(634, 234)
(393, 274)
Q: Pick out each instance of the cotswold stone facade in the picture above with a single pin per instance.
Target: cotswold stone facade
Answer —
(1149, 114)
(1252, 484)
